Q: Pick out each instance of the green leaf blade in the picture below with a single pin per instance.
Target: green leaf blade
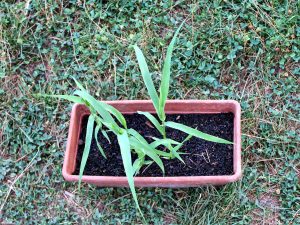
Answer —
(146, 148)
(154, 121)
(165, 80)
(79, 85)
(177, 147)
(124, 144)
(177, 155)
(196, 133)
(97, 141)
(106, 136)
(117, 114)
(137, 136)
(147, 77)
(138, 163)
(165, 142)
(96, 105)
(100, 107)
(87, 146)
(70, 98)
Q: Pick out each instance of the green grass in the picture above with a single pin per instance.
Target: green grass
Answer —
(226, 50)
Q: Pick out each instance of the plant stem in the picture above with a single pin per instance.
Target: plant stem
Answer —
(165, 137)
(164, 129)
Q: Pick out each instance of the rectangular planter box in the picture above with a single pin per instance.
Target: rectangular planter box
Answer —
(172, 107)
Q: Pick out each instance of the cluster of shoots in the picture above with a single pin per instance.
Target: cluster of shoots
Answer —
(109, 119)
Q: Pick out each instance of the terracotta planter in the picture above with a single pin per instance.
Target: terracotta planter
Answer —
(172, 107)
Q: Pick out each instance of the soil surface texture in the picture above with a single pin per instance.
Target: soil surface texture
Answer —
(203, 158)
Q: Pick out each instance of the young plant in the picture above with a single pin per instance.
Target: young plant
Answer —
(103, 118)
(159, 101)
(129, 140)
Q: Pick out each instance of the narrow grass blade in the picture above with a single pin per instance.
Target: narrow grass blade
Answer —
(157, 152)
(139, 143)
(112, 127)
(138, 163)
(135, 149)
(165, 79)
(103, 109)
(98, 144)
(168, 143)
(147, 77)
(109, 108)
(106, 136)
(70, 98)
(196, 133)
(176, 148)
(154, 121)
(98, 119)
(100, 107)
(148, 162)
(96, 105)
(124, 144)
(149, 152)
(136, 135)
(162, 153)
(165, 142)
(79, 85)
(176, 154)
(118, 115)
(86, 151)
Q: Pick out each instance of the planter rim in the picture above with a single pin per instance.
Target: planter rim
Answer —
(178, 181)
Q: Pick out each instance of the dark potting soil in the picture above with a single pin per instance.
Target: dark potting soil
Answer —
(203, 158)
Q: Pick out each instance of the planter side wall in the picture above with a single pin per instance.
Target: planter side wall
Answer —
(172, 107)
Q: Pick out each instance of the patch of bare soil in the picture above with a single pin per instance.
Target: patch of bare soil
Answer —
(10, 85)
(70, 202)
(267, 211)
(169, 219)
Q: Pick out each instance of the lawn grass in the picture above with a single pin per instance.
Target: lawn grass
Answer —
(243, 50)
